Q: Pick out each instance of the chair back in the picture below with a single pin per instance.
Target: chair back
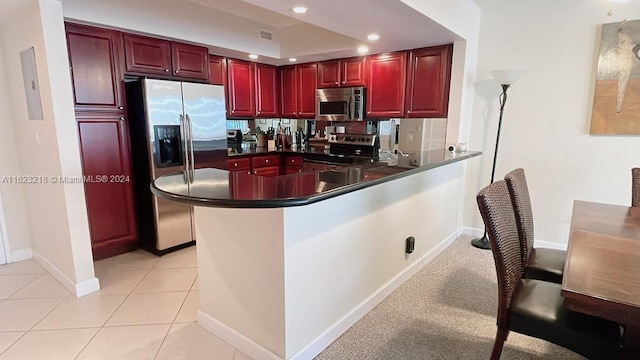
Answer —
(497, 213)
(519, 192)
(635, 187)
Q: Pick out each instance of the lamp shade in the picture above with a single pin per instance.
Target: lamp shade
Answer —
(506, 77)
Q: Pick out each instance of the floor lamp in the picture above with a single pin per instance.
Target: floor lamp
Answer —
(505, 78)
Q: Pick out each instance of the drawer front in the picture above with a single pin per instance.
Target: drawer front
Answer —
(267, 171)
(243, 163)
(293, 161)
(262, 161)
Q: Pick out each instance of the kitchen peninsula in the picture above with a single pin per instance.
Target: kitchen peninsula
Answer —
(288, 267)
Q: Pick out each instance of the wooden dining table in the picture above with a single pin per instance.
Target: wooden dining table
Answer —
(602, 269)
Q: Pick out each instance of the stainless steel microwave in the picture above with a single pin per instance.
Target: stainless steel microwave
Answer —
(340, 104)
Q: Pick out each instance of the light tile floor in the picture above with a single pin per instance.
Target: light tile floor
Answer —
(145, 309)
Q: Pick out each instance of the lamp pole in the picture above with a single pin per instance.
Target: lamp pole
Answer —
(506, 78)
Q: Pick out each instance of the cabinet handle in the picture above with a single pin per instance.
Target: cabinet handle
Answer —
(235, 164)
(121, 118)
(343, 81)
(166, 70)
(267, 161)
(177, 71)
(409, 112)
(248, 172)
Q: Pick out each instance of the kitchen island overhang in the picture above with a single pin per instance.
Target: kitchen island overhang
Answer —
(213, 187)
(283, 282)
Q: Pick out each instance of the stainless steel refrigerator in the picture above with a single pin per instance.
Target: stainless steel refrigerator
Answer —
(175, 127)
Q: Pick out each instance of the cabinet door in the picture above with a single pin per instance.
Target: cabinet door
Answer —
(307, 79)
(240, 90)
(353, 71)
(288, 92)
(386, 74)
(95, 58)
(428, 82)
(104, 149)
(328, 74)
(217, 70)
(266, 91)
(145, 55)
(190, 61)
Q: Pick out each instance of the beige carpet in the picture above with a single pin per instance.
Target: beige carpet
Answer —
(446, 311)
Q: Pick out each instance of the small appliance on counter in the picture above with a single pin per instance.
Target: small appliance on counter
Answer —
(234, 138)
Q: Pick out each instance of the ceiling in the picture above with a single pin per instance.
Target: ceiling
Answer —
(330, 29)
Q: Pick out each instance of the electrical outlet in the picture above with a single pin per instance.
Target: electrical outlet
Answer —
(410, 245)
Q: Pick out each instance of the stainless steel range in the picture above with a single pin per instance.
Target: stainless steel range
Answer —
(347, 149)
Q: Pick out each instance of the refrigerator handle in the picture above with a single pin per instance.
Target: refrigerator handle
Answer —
(183, 135)
(192, 166)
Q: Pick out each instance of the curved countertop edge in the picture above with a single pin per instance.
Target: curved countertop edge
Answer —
(300, 201)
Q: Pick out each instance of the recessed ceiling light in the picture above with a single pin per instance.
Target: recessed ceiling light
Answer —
(300, 9)
(363, 49)
(253, 56)
(293, 59)
(373, 37)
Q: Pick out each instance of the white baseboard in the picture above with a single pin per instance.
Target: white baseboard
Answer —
(536, 243)
(325, 339)
(475, 232)
(22, 254)
(80, 289)
(252, 349)
(550, 245)
(313, 348)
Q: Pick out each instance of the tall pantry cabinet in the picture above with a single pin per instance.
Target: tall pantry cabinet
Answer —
(95, 59)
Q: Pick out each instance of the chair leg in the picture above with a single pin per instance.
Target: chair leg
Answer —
(501, 337)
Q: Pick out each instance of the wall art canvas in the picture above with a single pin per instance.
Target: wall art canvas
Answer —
(616, 102)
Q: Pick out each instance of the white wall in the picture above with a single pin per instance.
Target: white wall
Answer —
(547, 115)
(15, 213)
(57, 218)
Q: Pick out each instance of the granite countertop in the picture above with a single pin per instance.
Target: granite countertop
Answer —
(222, 188)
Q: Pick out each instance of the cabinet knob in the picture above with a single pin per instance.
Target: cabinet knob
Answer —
(337, 83)
(235, 164)
(166, 70)
(267, 161)
(409, 112)
(177, 71)
(121, 107)
(368, 111)
(343, 81)
(121, 118)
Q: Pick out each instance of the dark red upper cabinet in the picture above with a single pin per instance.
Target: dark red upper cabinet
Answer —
(266, 91)
(240, 88)
(150, 56)
(217, 70)
(307, 80)
(343, 72)
(147, 55)
(353, 71)
(328, 74)
(428, 82)
(386, 76)
(288, 92)
(95, 56)
(190, 61)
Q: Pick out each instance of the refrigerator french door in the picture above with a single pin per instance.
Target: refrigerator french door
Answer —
(184, 124)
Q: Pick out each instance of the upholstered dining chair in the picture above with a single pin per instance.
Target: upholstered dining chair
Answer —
(534, 307)
(635, 187)
(539, 263)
